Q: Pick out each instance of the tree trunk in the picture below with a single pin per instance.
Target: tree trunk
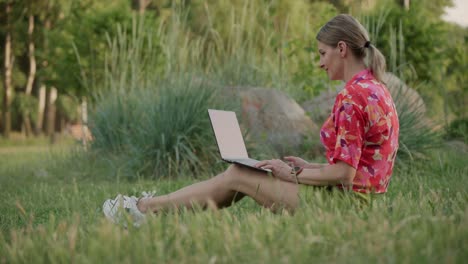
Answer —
(27, 125)
(405, 4)
(50, 127)
(84, 123)
(32, 73)
(44, 123)
(8, 66)
(40, 110)
(140, 5)
(32, 58)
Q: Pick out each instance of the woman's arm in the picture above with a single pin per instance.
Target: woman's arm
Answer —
(298, 162)
(339, 173)
(310, 165)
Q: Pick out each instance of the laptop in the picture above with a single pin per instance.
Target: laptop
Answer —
(229, 139)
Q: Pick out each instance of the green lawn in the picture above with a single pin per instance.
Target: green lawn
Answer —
(51, 213)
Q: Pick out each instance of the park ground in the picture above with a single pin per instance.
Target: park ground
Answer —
(51, 213)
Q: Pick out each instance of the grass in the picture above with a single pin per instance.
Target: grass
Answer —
(19, 139)
(51, 214)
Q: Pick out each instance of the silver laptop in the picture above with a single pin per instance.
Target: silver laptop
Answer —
(229, 138)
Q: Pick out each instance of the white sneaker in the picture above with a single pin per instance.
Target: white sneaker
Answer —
(115, 209)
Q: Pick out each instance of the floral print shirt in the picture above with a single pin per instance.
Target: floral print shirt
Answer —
(362, 131)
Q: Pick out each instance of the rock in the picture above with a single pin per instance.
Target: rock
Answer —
(320, 107)
(271, 115)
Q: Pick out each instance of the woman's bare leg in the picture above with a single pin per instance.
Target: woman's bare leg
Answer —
(227, 188)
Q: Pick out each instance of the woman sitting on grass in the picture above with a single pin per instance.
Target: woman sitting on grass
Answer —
(360, 138)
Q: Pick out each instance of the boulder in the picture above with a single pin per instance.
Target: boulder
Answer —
(270, 115)
(320, 107)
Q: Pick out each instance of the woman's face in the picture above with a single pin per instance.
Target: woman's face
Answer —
(331, 61)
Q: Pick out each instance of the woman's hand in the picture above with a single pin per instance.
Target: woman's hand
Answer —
(296, 161)
(279, 168)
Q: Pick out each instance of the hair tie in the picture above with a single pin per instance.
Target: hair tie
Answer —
(367, 44)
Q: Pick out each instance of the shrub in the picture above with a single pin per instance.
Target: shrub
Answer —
(146, 123)
(157, 132)
(24, 106)
(417, 132)
(458, 129)
(68, 107)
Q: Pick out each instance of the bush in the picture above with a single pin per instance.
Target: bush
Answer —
(148, 122)
(68, 107)
(417, 132)
(157, 132)
(24, 106)
(458, 129)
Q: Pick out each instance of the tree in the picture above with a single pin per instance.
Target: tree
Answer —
(32, 66)
(8, 67)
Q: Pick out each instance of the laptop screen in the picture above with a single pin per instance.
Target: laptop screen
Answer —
(228, 134)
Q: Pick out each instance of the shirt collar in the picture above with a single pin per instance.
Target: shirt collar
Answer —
(362, 75)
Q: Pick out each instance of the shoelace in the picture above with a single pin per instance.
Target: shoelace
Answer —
(146, 195)
(149, 194)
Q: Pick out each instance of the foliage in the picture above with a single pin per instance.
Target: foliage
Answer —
(255, 43)
(454, 83)
(24, 106)
(417, 133)
(62, 28)
(68, 107)
(458, 129)
(160, 123)
(84, 34)
(428, 58)
(162, 131)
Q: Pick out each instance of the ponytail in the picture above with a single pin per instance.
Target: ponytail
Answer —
(376, 62)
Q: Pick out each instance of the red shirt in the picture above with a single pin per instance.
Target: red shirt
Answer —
(362, 131)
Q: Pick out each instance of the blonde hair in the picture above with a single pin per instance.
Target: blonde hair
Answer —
(346, 28)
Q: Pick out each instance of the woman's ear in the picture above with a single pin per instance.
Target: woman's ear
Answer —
(343, 48)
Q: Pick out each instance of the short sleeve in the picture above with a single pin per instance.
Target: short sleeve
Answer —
(349, 126)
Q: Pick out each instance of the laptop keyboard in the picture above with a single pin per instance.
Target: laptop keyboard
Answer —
(250, 162)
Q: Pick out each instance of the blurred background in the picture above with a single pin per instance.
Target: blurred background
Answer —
(129, 81)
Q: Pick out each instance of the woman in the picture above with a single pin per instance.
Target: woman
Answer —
(360, 138)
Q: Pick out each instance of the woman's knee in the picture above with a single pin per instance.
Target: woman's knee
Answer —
(235, 174)
(231, 174)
